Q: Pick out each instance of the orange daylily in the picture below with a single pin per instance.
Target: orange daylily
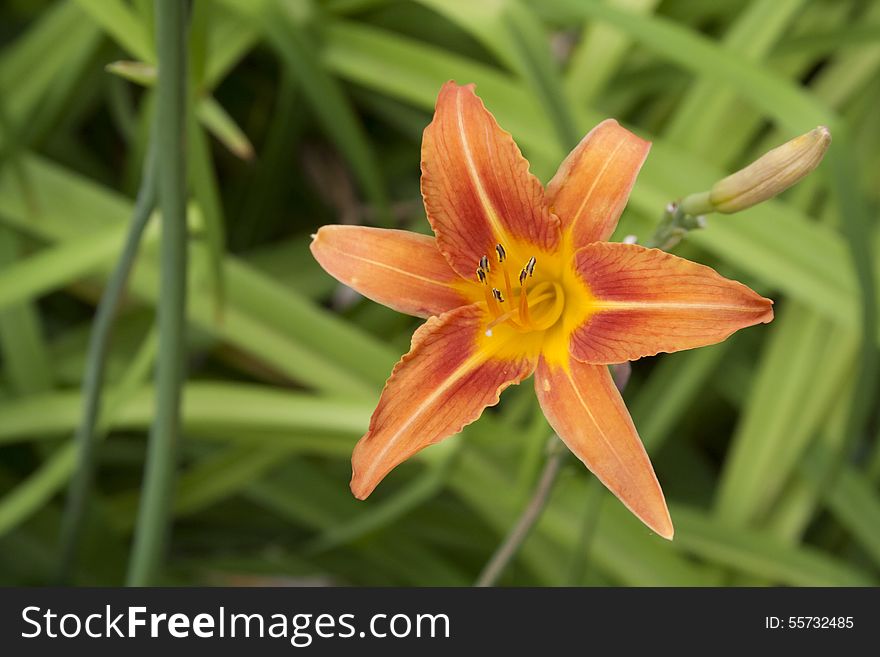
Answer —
(519, 280)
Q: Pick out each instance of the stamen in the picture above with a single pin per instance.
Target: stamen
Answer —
(491, 303)
(507, 286)
(519, 316)
(499, 320)
(524, 317)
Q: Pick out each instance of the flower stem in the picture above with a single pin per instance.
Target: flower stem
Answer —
(675, 224)
(99, 345)
(153, 514)
(530, 514)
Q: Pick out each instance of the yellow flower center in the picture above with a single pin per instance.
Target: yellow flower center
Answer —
(532, 310)
(527, 307)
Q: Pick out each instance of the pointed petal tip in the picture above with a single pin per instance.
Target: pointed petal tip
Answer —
(656, 517)
(654, 514)
(360, 488)
(665, 529)
(315, 237)
(451, 86)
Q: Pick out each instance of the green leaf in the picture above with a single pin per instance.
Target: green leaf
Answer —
(207, 408)
(212, 115)
(58, 266)
(123, 25)
(849, 495)
(329, 105)
(758, 554)
(799, 377)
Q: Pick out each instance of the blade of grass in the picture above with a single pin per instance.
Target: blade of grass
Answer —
(800, 503)
(22, 344)
(292, 42)
(751, 36)
(512, 32)
(224, 128)
(205, 189)
(849, 495)
(389, 510)
(759, 554)
(774, 95)
(85, 438)
(121, 23)
(673, 388)
(599, 53)
(71, 205)
(301, 493)
(57, 266)
(151, 534)
(208, 409)
(38, 489)
(208, 111)
(798, 378)
(42, 59)
(209, 481)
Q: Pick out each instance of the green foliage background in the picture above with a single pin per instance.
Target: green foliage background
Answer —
(305, 113)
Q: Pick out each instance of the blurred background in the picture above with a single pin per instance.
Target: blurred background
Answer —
(305, 113)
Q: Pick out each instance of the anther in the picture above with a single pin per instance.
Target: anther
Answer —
(497, 294)
(530, 266)
(484, 264)
(523, 275)
(481, 274)
(502, 254)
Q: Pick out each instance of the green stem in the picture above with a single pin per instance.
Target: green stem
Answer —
(93, 379)
(511, 544)
(151, 530)
(675, 224)
(580, 560)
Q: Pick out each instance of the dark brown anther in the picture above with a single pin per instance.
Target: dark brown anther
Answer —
(502, 254)
(497, 294)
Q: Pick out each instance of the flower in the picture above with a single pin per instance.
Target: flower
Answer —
(521, 280)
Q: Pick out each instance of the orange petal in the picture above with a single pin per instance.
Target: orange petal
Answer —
(396, 268)
(442, 384)
(585, 409)
(648, 301)
(476, 184)
(590, 189)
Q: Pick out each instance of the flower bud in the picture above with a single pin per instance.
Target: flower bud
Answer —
(771, 174)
